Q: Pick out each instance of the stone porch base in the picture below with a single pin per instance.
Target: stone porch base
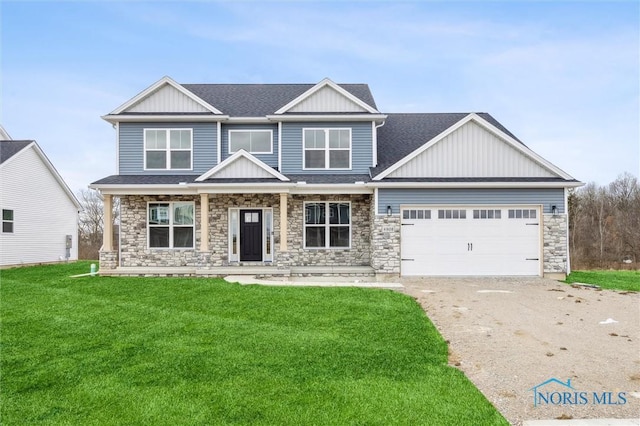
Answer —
(259, 271)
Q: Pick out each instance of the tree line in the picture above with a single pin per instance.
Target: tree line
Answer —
(604, 225)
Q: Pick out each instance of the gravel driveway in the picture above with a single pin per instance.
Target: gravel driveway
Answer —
(511, 334)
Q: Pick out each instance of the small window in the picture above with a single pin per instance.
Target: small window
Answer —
(7, 221)
(416, 214)
(252, 141)
(522, 213)
(452, 214)
(487, 214)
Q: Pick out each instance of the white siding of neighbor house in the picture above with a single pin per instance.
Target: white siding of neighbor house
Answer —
(327, 99)
(167, 99)
(43, 213)
(240, 169)
(472, 151)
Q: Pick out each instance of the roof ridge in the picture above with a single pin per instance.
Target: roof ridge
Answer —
(267, 84)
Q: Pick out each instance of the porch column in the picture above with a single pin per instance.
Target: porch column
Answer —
(283, 222)
(107, 234)
(204, 222)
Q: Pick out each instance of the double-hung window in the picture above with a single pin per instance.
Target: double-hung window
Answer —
(7, 221)
(171, 225)
(168, 149)
(327, 225)
(253, 141)
(327, 148)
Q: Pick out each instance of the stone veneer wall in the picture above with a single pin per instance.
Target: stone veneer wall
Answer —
(108, 259)
(358, 255)
(219, 205)
(555, 243)
(134, 251)
(133, 240)
(385, 243)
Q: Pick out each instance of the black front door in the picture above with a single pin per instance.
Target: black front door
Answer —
(250, 235)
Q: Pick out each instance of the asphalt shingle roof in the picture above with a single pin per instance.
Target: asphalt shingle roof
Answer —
(257, 100)
(10, 148)
(176, 179)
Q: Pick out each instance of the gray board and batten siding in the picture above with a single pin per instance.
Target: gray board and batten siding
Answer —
(270, 159)
(361, 147)
(131, 154)
(547, 197)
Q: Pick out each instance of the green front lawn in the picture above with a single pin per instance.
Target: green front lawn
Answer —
(100, 350)
(612, 280)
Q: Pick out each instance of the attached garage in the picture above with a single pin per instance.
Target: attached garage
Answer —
(471, 240)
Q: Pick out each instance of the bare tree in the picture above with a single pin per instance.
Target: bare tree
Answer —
(91, 223)
(605, 224)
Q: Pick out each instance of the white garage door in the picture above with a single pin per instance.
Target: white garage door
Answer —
(452, 240)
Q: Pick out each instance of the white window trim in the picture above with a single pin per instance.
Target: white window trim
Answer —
(229, 151)
(267, 258)
(327, 226)
(326, 149)
(12, 221)
(170, 226)
(167, 149)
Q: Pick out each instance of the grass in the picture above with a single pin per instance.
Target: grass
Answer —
(612, 280)
(103, 351)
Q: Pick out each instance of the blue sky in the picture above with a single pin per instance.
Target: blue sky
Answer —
(562, 76)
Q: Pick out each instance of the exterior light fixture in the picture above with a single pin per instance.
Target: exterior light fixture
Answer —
(389, 210)
(554, 210)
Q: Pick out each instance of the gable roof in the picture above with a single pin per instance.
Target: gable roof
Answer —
(403, 133)
(242, 165)
(258, 100)
(10, 150)
(158, 87)
(327, 87)
(489, 124)
(4, 136)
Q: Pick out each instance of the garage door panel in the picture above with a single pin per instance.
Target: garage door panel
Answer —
(495, 245)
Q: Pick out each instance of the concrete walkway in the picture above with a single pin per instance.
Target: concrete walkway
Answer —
(311, 282)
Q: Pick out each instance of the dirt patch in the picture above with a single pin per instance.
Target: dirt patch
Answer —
(511, 334)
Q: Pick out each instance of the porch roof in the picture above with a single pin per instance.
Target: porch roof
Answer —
(191, 180)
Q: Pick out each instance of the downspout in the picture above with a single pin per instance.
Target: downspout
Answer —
(566, 208)
(280, 146)
(375, 141)
(117, 128)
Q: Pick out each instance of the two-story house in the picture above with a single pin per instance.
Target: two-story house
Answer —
(290, 179)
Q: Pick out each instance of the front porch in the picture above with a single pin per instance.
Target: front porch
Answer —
(263, 234)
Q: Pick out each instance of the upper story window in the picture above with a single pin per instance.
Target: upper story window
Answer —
(327, 148)
(7, 221)
(168, 149)
(253, 141)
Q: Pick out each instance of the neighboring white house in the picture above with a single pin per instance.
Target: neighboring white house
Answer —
(39, 211)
